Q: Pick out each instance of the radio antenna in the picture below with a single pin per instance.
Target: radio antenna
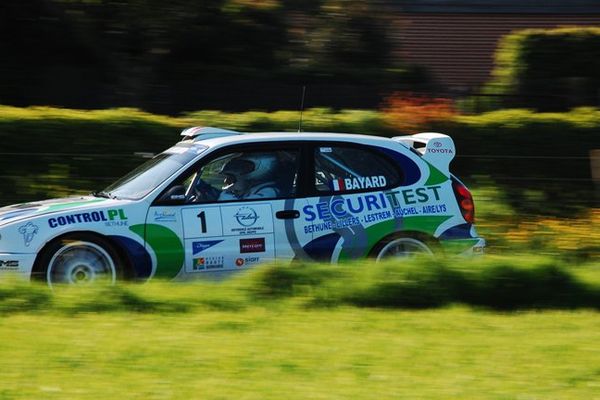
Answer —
(301, 108)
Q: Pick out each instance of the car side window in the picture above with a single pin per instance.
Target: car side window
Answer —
(245, 175)
(342, 169)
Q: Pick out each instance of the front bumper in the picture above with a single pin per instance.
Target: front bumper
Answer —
(17, 263)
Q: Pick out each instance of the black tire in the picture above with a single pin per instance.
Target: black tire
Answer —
(404, 245)
(79, 258)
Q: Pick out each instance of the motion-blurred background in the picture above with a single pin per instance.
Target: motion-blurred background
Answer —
(90, 88)
(171, 56)
(516, 84)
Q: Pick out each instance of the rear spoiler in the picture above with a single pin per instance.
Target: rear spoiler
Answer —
(436, 148)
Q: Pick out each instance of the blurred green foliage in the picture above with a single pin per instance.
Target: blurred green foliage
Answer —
(505, 283)
(49, 152)
(548, 68)
(539, 160)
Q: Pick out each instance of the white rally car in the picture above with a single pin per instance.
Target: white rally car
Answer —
(220, 201)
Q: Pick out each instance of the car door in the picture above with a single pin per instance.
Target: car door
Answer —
(224, 228)
(351, 206)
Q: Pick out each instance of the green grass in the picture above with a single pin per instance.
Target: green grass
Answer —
(309, 332)
(283, 352)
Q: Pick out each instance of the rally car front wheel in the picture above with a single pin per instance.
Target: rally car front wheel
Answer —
(80, 259)
(403, 246)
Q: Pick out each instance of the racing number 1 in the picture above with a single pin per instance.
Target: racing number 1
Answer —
(202, 217)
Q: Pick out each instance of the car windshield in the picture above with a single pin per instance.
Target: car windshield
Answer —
(145, 178)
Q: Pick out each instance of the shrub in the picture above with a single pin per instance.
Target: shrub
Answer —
(500, 283)
(549, 68)
(539, 159)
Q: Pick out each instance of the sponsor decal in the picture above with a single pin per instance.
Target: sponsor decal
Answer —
(377, 216)
(165, 216)
(374, 217)
(437, 148)
(28, 231)
(240, 262)
(247, 221)
(198, 264)
(252, 245)
(246, 216)
(206, 263)
(420, 195)
(326, 150)
(350, 206)
(9, 264)
(198, 247)
(403, 212)
(436, 209)
(214, 262)
(331, 225)
(110, 218)
(366, 182)
(444, 151)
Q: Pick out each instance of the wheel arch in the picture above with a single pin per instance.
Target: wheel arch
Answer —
(38, 273)
(419, 235)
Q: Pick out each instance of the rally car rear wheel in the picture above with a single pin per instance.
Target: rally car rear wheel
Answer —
(79, 260)
(400, 246)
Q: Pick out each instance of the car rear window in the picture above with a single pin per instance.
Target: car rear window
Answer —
(341, 169)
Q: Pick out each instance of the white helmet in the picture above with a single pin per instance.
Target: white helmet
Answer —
(251, 167)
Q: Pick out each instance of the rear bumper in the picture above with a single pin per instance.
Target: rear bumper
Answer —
(464, 247)
(478, 248)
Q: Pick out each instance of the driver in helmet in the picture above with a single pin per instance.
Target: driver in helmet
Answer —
(249, 177)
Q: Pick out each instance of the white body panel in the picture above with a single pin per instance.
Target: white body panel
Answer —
(188, 240)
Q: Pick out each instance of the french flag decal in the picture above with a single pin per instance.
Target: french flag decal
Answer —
(337, 185)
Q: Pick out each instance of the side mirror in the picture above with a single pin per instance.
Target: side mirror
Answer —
(176, 195)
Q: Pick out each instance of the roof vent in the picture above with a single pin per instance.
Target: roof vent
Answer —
(206, 132)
